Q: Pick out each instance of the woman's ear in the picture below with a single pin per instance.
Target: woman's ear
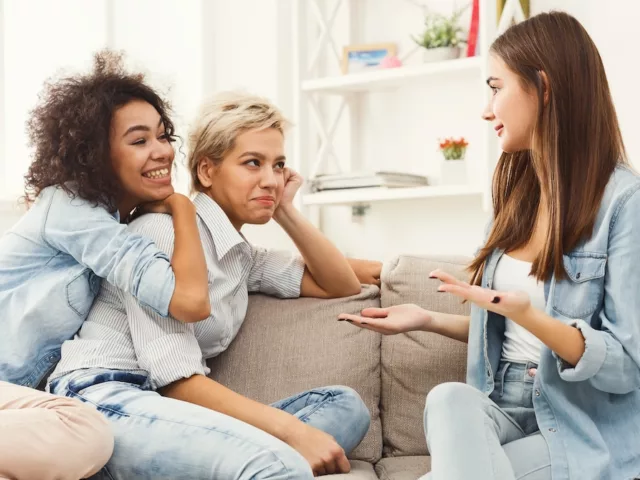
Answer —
(205, 172)
(546, 88)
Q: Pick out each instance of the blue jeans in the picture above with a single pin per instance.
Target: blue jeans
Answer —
(474, 436)
(162, 438)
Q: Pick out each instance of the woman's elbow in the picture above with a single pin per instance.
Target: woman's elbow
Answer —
(190, 308)
(200, 310)
(346, 289)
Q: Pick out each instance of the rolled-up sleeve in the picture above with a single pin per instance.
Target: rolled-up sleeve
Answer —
(276, 273)
(126, 258)
(611, 360)
(166, 348)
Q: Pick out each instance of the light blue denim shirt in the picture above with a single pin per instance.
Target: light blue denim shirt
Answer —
(589, 414)
(51, 265)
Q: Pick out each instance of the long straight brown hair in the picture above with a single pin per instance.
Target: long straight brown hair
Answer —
(576, 143)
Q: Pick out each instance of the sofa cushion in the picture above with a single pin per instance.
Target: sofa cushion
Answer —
(359, 471)
(288, 346)
(413, 363)
(403, 468)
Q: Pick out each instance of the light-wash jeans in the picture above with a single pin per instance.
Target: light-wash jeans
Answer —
(162, 438)
(474, 436)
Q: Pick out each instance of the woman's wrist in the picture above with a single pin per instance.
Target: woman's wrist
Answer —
(284, 213)
(179, 203)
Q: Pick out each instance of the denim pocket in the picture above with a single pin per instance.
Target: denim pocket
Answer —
(580, 295)
(80, 293)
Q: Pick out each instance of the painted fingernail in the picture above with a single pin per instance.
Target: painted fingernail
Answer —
(433, 277)
(495, 300)
(364, 323)
(350, 321)
(341, 319)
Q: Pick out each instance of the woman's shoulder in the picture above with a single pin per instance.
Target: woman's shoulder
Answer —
(624, 180)
(65, 203)
(620, 191)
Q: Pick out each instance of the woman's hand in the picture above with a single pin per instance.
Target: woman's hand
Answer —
(320, 449)
(168, 205)
(391, 320)
(292, 183)
(512, 305)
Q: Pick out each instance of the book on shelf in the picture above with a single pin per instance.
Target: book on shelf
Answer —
(381, 179)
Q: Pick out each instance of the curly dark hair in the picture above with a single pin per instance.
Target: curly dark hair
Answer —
(69, 130)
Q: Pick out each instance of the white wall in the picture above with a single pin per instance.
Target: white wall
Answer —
(209, 45)
(39, 38)
(613, 26)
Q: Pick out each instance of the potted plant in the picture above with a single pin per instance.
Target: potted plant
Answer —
(441, 37)
(453, 170)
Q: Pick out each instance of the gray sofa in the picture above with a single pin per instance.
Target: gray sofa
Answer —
(286, 346)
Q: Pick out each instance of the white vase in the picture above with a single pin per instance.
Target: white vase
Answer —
(440, 54)
(453, 172)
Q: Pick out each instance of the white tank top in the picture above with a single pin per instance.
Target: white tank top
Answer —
(511, 274)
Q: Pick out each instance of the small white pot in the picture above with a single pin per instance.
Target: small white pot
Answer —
(453, 172)
(440, 54)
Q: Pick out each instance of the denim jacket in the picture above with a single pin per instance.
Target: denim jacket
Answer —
(589, 414)
(51, 265)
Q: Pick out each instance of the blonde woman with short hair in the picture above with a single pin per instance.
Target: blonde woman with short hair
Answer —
(148, 374)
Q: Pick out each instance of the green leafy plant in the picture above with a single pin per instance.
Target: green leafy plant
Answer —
(441, 30)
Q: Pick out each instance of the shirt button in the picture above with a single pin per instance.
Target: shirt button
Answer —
(578, 275)
(488, 373)
(537, 393)
(552, 430)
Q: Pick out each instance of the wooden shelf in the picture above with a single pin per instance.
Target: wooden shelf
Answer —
(380, 194)
(390, 78)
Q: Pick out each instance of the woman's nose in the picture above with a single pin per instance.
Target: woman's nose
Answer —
(487, 113)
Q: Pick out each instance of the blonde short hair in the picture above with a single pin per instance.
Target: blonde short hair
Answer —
(219, 122)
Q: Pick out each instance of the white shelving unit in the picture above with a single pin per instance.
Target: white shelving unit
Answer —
(390, 79)
(316, 129)
(358, 196)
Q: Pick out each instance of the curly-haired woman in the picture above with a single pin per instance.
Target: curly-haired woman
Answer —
(102, 148)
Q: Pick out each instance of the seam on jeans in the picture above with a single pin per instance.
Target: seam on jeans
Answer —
(97, 405)
(315, 390)
(491, 452)
(319, 406)
(537, 469)
(513, 422)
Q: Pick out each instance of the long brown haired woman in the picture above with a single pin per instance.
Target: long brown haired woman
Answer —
(553, 377)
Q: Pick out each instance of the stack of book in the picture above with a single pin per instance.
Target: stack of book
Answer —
(366, 180)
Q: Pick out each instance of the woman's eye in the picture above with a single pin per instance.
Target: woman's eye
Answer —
(142, 141)
(253, 162)
(494, 89)
(279, 165)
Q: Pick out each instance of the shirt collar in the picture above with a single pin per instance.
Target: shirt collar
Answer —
(224, 235)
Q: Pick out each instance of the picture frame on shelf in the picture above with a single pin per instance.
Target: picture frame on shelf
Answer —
(525, 4)
(363, 57)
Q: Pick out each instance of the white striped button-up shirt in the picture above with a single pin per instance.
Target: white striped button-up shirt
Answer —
(121, 334)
